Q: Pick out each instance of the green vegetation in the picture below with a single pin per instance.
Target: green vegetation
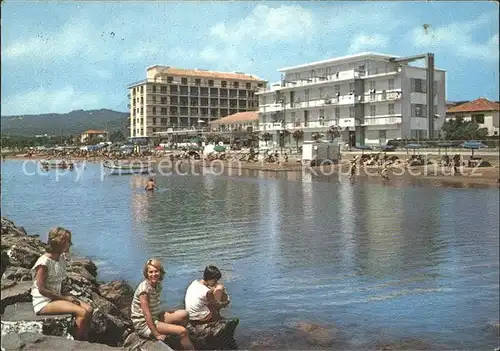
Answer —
(458, 129)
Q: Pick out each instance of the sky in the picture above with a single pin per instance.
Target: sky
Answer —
(62, 56)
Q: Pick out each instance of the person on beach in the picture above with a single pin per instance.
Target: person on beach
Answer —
(49, 272)
(384, 171)
(151, 185)
(147, 318)
(203, 301)
(353, 169)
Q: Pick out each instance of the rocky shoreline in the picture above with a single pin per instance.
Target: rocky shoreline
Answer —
(111, 300)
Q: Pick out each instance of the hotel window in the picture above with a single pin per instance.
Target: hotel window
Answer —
(154, 99)
(321, 117)
(154, 113)
(478, 118)
(184, 81)
(210, 83)
(260, 85)
(417, 85)
(154, 88)
(337, 112)
(170, 79)
(164, 121)
(372, 85)
(351, 87)
(154, 121)
(197, 81)
(391, 109)
(321, 93)
(391, 84)
(163, 89)
(337, 89)
(418, 110)
(249, 86)
(223, 83)
(351, 111)
(163, 110)
(373, 111)
(236, 85)
(306, 94)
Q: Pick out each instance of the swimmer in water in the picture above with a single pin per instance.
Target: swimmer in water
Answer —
(151, 185)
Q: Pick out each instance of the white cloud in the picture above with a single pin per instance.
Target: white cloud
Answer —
(364, 42)
(72, 37)
(43, 101)
(287, 22)
(458, 38)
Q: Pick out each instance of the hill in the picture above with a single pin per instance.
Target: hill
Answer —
(74, 122)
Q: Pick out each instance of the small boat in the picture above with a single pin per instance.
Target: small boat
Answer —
(46, 165)
(123, 169)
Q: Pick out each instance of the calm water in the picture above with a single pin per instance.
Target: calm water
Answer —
(379, 262)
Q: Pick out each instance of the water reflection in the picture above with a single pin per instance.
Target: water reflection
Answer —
(390, 259)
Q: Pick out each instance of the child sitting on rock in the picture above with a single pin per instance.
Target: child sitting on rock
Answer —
(146, 316)
(49, 272)
(203, 301)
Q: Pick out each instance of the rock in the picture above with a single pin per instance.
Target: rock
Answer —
(100, 303)
(35, 341)
(218, 335)
(23, 250)
(134, 342)
(86, 264)
(20, 318)
(119, 293)
(81, 271)
(107, 329)
(5, 262)
(18, 292)
(316, 334)
(17, 273)
(6, 283)
(407, 344)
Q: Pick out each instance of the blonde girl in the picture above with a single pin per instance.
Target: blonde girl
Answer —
(49, 272)
(147, 318)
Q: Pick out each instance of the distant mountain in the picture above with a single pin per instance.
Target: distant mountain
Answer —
(74, 122)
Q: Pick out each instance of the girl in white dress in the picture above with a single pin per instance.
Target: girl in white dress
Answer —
(49, 272)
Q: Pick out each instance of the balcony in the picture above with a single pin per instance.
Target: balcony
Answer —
(382, 96)
(381, 120)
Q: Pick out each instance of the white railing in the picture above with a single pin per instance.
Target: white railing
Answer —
(373, 121)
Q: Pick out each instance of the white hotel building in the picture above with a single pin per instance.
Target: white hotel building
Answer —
(369, 96)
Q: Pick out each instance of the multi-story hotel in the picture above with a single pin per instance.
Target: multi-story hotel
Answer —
(173, 99)
(372, 98)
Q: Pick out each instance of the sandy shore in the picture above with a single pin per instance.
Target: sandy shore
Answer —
(439, 176)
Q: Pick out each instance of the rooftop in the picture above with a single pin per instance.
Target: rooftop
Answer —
(363, 55)
(240, 117)
(165, 70)
(94, 131)
(481, 104)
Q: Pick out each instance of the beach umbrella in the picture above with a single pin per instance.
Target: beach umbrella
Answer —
(219, 148)
(473, 145)
(388, 148)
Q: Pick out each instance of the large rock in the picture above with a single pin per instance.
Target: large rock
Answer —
(107, 329)
(134, 342)
(316, 334)
(20, 318)
(22, 251)
(17, 273)
(120, 293)
(36, 341)
(86, 264)
(15, 292)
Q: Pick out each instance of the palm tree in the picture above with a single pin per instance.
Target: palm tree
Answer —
(317, 136)
(298, 135)
(334, 132)
(266, 137)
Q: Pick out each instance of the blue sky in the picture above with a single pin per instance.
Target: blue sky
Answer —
(62, 56)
